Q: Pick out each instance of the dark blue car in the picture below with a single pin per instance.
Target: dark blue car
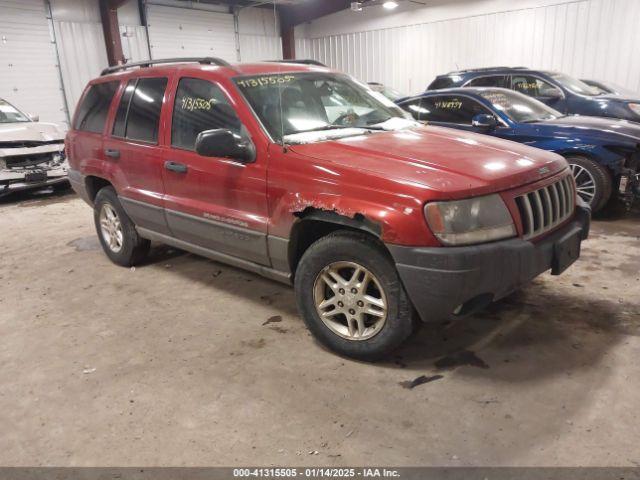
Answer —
(604, 154)
(562, 92)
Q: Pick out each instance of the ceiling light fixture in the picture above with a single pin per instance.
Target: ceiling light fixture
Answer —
(390, 5)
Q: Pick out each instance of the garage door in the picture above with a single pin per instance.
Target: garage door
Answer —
(184, 32)
(29, 77)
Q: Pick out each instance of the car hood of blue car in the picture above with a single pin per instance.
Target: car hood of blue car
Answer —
(617, 98)
(602, 128)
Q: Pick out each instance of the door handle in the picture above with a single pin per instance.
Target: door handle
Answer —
(112, 153)
(175, 167)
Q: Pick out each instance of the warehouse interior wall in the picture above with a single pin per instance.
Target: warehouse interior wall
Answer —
(29, 60)
(55, 47)
(407, 47)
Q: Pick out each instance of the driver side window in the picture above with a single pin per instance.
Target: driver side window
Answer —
(450, 109)
(533, 86)
(200, 105)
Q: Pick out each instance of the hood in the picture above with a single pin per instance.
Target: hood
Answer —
(30, 131)
(453, 162)
(600, 127)
(622, 98)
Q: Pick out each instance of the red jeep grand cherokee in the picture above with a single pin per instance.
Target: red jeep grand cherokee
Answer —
(306, 176)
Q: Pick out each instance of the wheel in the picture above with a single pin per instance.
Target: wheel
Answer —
(351, 298)
(593, 181)
(117, 233)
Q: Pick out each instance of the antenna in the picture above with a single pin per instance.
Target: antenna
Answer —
(275, 27)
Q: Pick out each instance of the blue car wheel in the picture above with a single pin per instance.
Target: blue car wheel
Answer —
(593, 182)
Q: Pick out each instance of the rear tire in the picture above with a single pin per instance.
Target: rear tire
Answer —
(365, 315)
(593, 181)
(117, 233)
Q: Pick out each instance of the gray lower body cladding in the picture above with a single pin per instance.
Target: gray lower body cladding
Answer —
(444, 280)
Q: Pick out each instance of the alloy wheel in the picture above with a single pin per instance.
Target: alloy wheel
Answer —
(111, 228)
(585, 183)
(350, 300)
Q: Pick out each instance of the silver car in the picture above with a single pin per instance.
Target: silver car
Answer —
(31, 152)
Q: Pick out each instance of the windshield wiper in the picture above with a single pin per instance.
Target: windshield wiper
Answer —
(339, 127)
(324, 127)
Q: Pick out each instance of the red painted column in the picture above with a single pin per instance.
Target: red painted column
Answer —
(110, 27)
(288, 42)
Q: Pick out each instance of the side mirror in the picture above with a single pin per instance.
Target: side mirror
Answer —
(484, 121)
(34, 118)
(225, 144)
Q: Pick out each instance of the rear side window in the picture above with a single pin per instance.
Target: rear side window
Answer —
(533, 86)
(451, 109)
(200, 105)
(92, 112)
(143, 118)
(416, 109)
(501, 81)
(441, 82)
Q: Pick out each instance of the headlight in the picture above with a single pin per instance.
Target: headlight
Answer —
(475, 220)
(635, 108)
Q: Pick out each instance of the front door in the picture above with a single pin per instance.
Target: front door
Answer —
(541, 90)
(216, 203)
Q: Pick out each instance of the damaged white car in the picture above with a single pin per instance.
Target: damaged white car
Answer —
(31, 152)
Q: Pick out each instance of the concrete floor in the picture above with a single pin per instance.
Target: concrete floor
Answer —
(173, 363)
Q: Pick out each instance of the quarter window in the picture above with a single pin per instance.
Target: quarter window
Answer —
(200, 105)
(92, 112)
(533, 86)
(145, 106)
(451, 109)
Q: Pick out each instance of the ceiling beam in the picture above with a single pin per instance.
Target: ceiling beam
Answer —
(292, 15)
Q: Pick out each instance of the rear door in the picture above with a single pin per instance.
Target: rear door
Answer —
(133, 149)
(85, 139)
(216, 203)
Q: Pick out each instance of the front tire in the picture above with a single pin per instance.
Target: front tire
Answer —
(117, 233)
(351, 298)
(593, 182)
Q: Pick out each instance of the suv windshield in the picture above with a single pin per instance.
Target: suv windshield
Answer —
(10, 114)
(519, 107)
(294, 103)
(574, 85)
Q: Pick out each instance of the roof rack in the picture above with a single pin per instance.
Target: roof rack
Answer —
(147, 63)
(486, 69)
(301, 61)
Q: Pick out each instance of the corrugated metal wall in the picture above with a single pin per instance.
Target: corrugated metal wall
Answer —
(259, 35)
(134, 42)
(254, 48)
(82, 56)
(29, 77)
(184, 32)
(585, 38)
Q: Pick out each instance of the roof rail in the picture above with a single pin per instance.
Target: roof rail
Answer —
(302, 61)
(486, 69)
(147, 63)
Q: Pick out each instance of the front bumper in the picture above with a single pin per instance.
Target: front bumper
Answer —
(16, 180)
(449, 281)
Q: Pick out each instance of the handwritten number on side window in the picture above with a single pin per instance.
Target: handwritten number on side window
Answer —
(263, 81)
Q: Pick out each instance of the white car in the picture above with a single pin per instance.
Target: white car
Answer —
(31, 152)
